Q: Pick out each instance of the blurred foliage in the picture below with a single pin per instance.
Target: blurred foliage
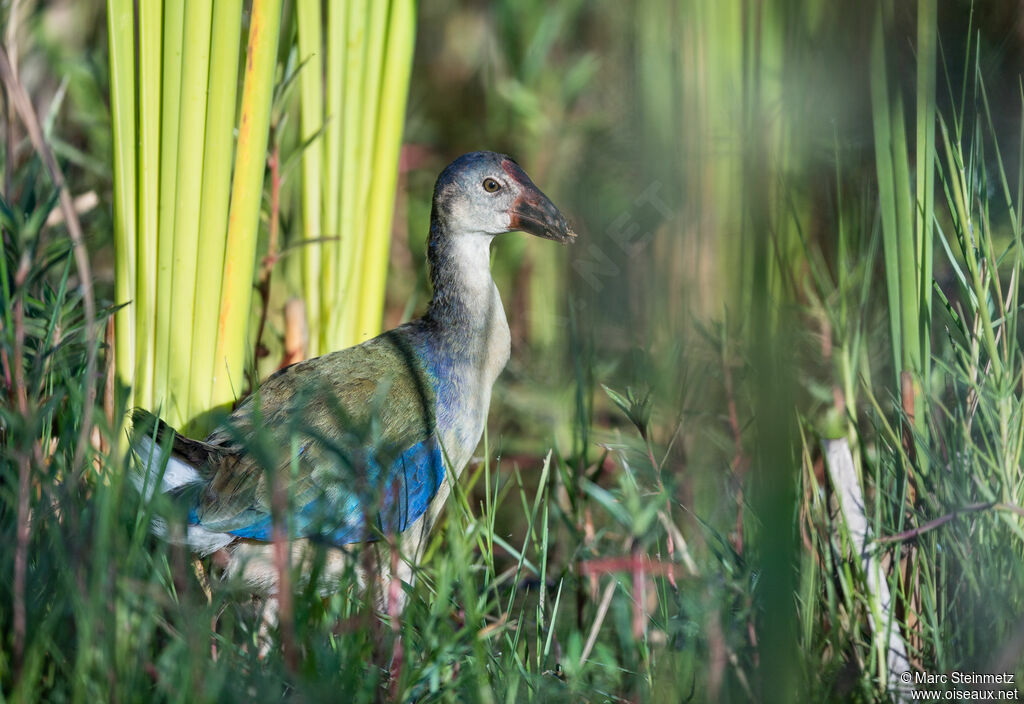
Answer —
(728, 291)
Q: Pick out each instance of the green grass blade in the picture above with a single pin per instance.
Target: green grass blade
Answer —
(390, 122)
(173, 41)
(352, 147)
(312, 119)
(246, 197)
(150, 62)
(337, 15)
(366, 168)
(195, 73)
(882, 122)
(121, 27)
(213, 213)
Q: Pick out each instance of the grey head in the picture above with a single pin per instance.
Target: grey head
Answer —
(489, 194)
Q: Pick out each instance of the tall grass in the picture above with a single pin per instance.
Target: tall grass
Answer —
(810, 270)
(114, 613)
(189, 197)
(176, 206)
(349, 150)
(945, 520)
(690, 541)
(907, 209)
(246, 198)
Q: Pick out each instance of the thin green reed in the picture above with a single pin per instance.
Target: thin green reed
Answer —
(986, 344)
(927, 39)
(907, 217)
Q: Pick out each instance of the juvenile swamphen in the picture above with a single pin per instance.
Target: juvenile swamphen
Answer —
(362, 438)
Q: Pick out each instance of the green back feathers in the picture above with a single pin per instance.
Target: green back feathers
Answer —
(342, 416)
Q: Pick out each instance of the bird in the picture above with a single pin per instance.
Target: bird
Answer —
(366, 440)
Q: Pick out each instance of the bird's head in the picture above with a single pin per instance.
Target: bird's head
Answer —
(487, 193)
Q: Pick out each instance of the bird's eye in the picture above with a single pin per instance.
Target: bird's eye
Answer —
(490, 185)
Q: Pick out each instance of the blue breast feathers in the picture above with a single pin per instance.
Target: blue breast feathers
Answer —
(389, 502)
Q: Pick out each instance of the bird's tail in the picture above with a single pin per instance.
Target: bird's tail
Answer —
(164, 459)
(175, 465)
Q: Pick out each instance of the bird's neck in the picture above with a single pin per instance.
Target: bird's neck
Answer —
(466, 301)
(466, 319)
(467, 335)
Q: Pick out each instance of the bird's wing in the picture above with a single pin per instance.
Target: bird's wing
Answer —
(349, 436)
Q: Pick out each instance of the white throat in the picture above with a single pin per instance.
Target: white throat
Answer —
(470, 254)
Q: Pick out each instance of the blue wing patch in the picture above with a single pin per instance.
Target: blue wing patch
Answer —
(393, 502)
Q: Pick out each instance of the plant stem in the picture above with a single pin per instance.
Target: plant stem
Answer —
(195, 73)
(173, 40)
(390, 122)
(150, 61)
(312, 116)
(120, 21)
(246, 196)
(213, 214)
